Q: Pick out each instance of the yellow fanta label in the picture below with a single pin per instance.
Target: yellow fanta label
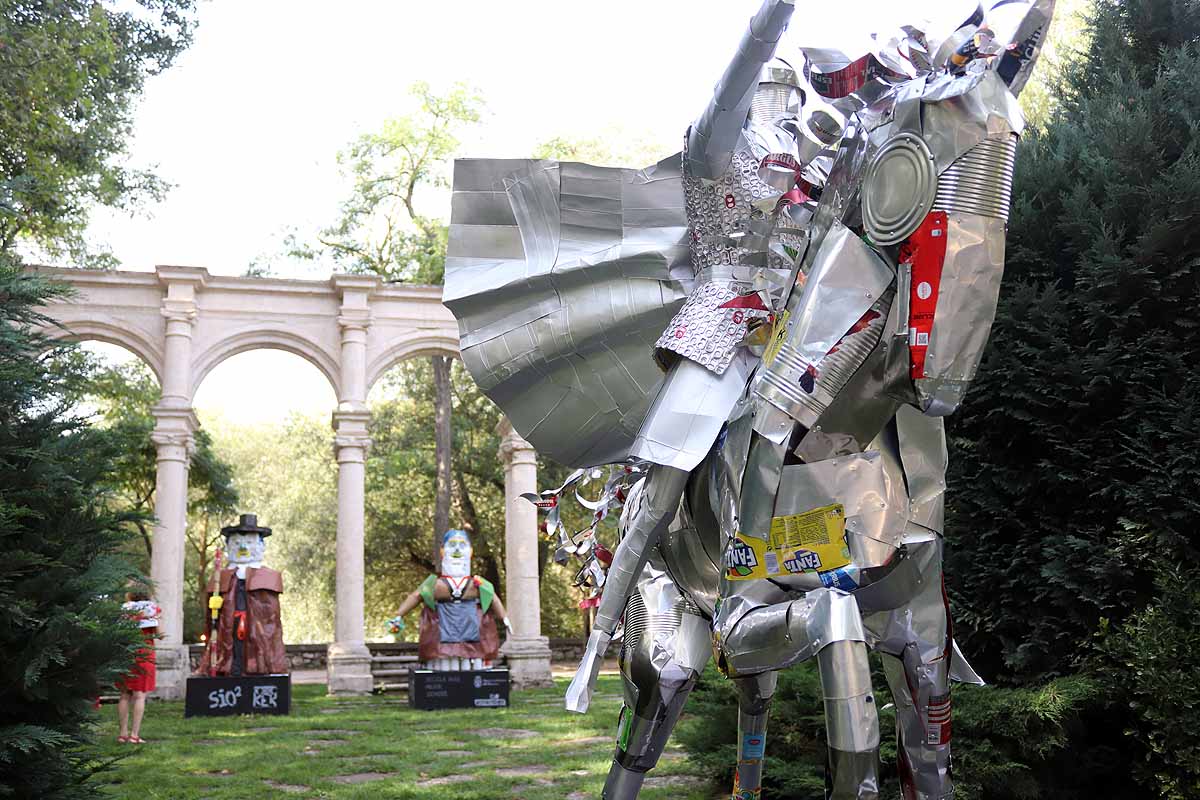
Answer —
(814, 541)
(778, 335)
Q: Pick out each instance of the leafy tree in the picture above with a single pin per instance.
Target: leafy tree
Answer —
(1149, 662)
(61, 633)
(381, 231)
(1074, 469)
(70, 71)
(124, 396)
(1067, 38)
(284, 473)
(380, 227)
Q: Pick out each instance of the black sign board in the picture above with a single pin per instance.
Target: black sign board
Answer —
(485, 688)
(248, 694)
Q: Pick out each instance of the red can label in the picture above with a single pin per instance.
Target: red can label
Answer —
(925, 253)
(937, 724)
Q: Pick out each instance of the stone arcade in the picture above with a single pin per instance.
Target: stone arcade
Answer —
(182, 322)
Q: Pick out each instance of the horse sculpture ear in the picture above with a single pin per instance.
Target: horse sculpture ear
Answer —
(1020, 27)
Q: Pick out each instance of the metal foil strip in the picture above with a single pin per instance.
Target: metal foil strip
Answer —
(658, 625)
(635, 620)
(778, 390)
(980, 181)
(784, 386)
(771, 102)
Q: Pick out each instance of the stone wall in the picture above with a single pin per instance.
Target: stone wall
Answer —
(312, 656)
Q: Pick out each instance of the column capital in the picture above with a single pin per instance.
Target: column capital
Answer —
(174, 432)
(354, 319)
(350, 440)
(351, 448)
(174, 439)
(179, 304)
(365, 284)
(172, 418)
(513, 447)
(180, 311)
(356, 291)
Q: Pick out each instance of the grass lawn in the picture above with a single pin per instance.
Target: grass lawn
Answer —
(377, 747)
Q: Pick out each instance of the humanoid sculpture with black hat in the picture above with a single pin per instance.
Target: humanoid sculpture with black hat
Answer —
(458, 612)
(244, 597)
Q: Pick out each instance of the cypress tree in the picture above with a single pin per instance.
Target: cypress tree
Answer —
(1074, 462)
(61, 631)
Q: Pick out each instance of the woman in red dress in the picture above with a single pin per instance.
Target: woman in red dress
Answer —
(140, 680)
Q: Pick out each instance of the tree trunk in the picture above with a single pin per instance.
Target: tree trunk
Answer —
(146, 539)
(442, 445)
(484, 554)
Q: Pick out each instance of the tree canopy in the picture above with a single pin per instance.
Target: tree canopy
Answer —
(70, 72)
(1074, 469)
(381, 227)
(123, 398)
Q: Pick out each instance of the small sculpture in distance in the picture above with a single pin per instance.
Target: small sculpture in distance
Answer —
(247, 636)
(459, 611)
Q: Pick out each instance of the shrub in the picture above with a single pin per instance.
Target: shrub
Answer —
(1151, 662)
(1060, 740)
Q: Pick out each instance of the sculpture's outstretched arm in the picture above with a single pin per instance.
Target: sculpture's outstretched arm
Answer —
(498, 611)
(713, 135)
(409, 603)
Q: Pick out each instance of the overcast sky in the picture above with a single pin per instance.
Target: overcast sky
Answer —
(248, 123)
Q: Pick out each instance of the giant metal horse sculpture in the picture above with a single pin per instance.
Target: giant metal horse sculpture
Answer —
(836, 234)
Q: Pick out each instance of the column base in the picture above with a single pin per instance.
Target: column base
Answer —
(528, 661)
(172, 666)
(349, 669)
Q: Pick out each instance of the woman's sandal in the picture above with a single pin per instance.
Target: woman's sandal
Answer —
(122, 739)
(136, 740)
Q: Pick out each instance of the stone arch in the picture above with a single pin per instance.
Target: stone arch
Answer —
(124, 335)
(430, 345)
(267, 339)
(183, 322)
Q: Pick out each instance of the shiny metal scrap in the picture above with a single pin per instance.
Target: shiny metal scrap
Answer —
(561, 277)
(899, 189)
(980, 181)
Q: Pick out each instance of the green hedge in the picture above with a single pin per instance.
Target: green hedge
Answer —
(1063, 740)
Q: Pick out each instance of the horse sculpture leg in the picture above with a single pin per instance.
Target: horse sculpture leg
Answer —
(667, 643)
(760, 628)
(754, 704)
(851, 722)
(918, 651)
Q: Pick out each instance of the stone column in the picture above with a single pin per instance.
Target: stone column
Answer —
(349, 660)
(526, 650)
(175, 425)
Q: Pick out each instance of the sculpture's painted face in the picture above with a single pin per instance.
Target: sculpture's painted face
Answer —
(245, 549)
(456, 555)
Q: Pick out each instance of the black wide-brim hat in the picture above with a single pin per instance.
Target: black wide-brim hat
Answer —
(247, 524)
